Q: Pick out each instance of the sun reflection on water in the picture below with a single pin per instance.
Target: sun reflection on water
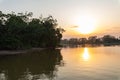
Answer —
(86, 54)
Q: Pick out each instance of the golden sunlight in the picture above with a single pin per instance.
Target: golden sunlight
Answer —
(86, 54)
(86, 24)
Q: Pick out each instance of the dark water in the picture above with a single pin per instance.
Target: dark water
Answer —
(35, 65)
(92, 63)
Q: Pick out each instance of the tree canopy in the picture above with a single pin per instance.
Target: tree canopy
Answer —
(19, 31)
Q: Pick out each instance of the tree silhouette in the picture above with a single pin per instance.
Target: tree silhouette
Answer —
(19, 31)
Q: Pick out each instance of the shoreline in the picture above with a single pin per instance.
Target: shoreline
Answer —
(15, 52)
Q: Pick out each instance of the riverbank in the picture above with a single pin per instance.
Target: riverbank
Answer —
(14, 52)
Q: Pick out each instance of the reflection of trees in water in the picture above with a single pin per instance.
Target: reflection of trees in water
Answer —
(35, 65)
(3, 76)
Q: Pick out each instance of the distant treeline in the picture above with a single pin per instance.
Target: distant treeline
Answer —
(21, 30)
(106, 40)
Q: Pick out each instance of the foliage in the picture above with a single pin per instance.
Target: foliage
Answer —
(106, 40)
(19, 31)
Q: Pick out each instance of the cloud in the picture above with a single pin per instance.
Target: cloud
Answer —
(74, 27)
(1, 1)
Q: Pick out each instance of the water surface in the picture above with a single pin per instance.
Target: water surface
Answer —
(93, 63)
(80, 63)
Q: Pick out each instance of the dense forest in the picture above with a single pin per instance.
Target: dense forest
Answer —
(21, 31)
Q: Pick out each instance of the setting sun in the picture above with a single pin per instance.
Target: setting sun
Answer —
(86, 24)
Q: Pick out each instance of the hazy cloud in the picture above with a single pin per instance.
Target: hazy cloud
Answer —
(74, 27)
(1, 1)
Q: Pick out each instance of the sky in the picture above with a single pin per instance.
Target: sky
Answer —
(106, 13)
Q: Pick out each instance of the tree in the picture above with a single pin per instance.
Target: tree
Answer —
(92, 39)
(18, 31)
(109, 39)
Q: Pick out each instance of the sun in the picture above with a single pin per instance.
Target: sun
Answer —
(86, 24)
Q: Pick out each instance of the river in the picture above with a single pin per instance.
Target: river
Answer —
(77, 63)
